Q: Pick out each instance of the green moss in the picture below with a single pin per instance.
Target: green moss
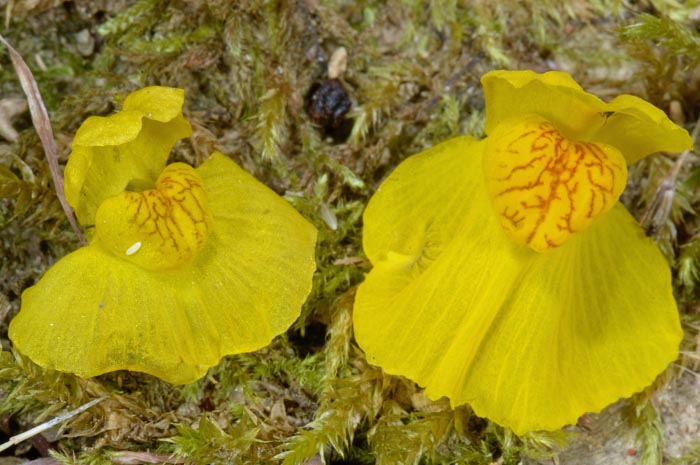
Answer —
(344, 406)
(650, 433)
(209, 443)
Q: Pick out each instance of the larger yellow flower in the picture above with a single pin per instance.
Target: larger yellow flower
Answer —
(506, 273)
(184, 266)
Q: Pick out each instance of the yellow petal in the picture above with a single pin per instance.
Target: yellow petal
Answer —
(544, 187)
(554, 95)
(129, 148)
(638, 129)
(95, 312)
(261, 264)
(414, 230)
(156, 103)
(592, 322)
(101, 131)
(531, 341)
(92, 313)
(628, 123)
(419, 183)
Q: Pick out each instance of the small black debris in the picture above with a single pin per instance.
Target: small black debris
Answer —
(328, 103)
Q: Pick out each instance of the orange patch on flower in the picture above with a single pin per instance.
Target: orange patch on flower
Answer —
(546, 187)
(167, 225)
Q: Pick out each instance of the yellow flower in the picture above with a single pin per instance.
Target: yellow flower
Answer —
(184, 266)
(506, 273)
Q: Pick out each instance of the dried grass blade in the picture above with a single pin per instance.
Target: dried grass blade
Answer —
(42, 124)
(14, 440)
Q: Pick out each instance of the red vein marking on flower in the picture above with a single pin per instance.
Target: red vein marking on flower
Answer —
(175, 212)
(547, 187)
(512, 217)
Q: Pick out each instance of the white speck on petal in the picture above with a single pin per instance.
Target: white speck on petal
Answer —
(134, 248)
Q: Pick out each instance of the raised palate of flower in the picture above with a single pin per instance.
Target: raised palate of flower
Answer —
(506, 273)
(184, 265)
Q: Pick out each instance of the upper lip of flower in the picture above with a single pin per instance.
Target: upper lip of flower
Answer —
(627, 123)
(132, 146)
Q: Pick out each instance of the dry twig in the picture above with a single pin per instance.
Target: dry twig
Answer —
(14, 440)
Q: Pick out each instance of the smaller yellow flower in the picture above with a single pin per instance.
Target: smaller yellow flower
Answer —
(185, 264)
(506, 273)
